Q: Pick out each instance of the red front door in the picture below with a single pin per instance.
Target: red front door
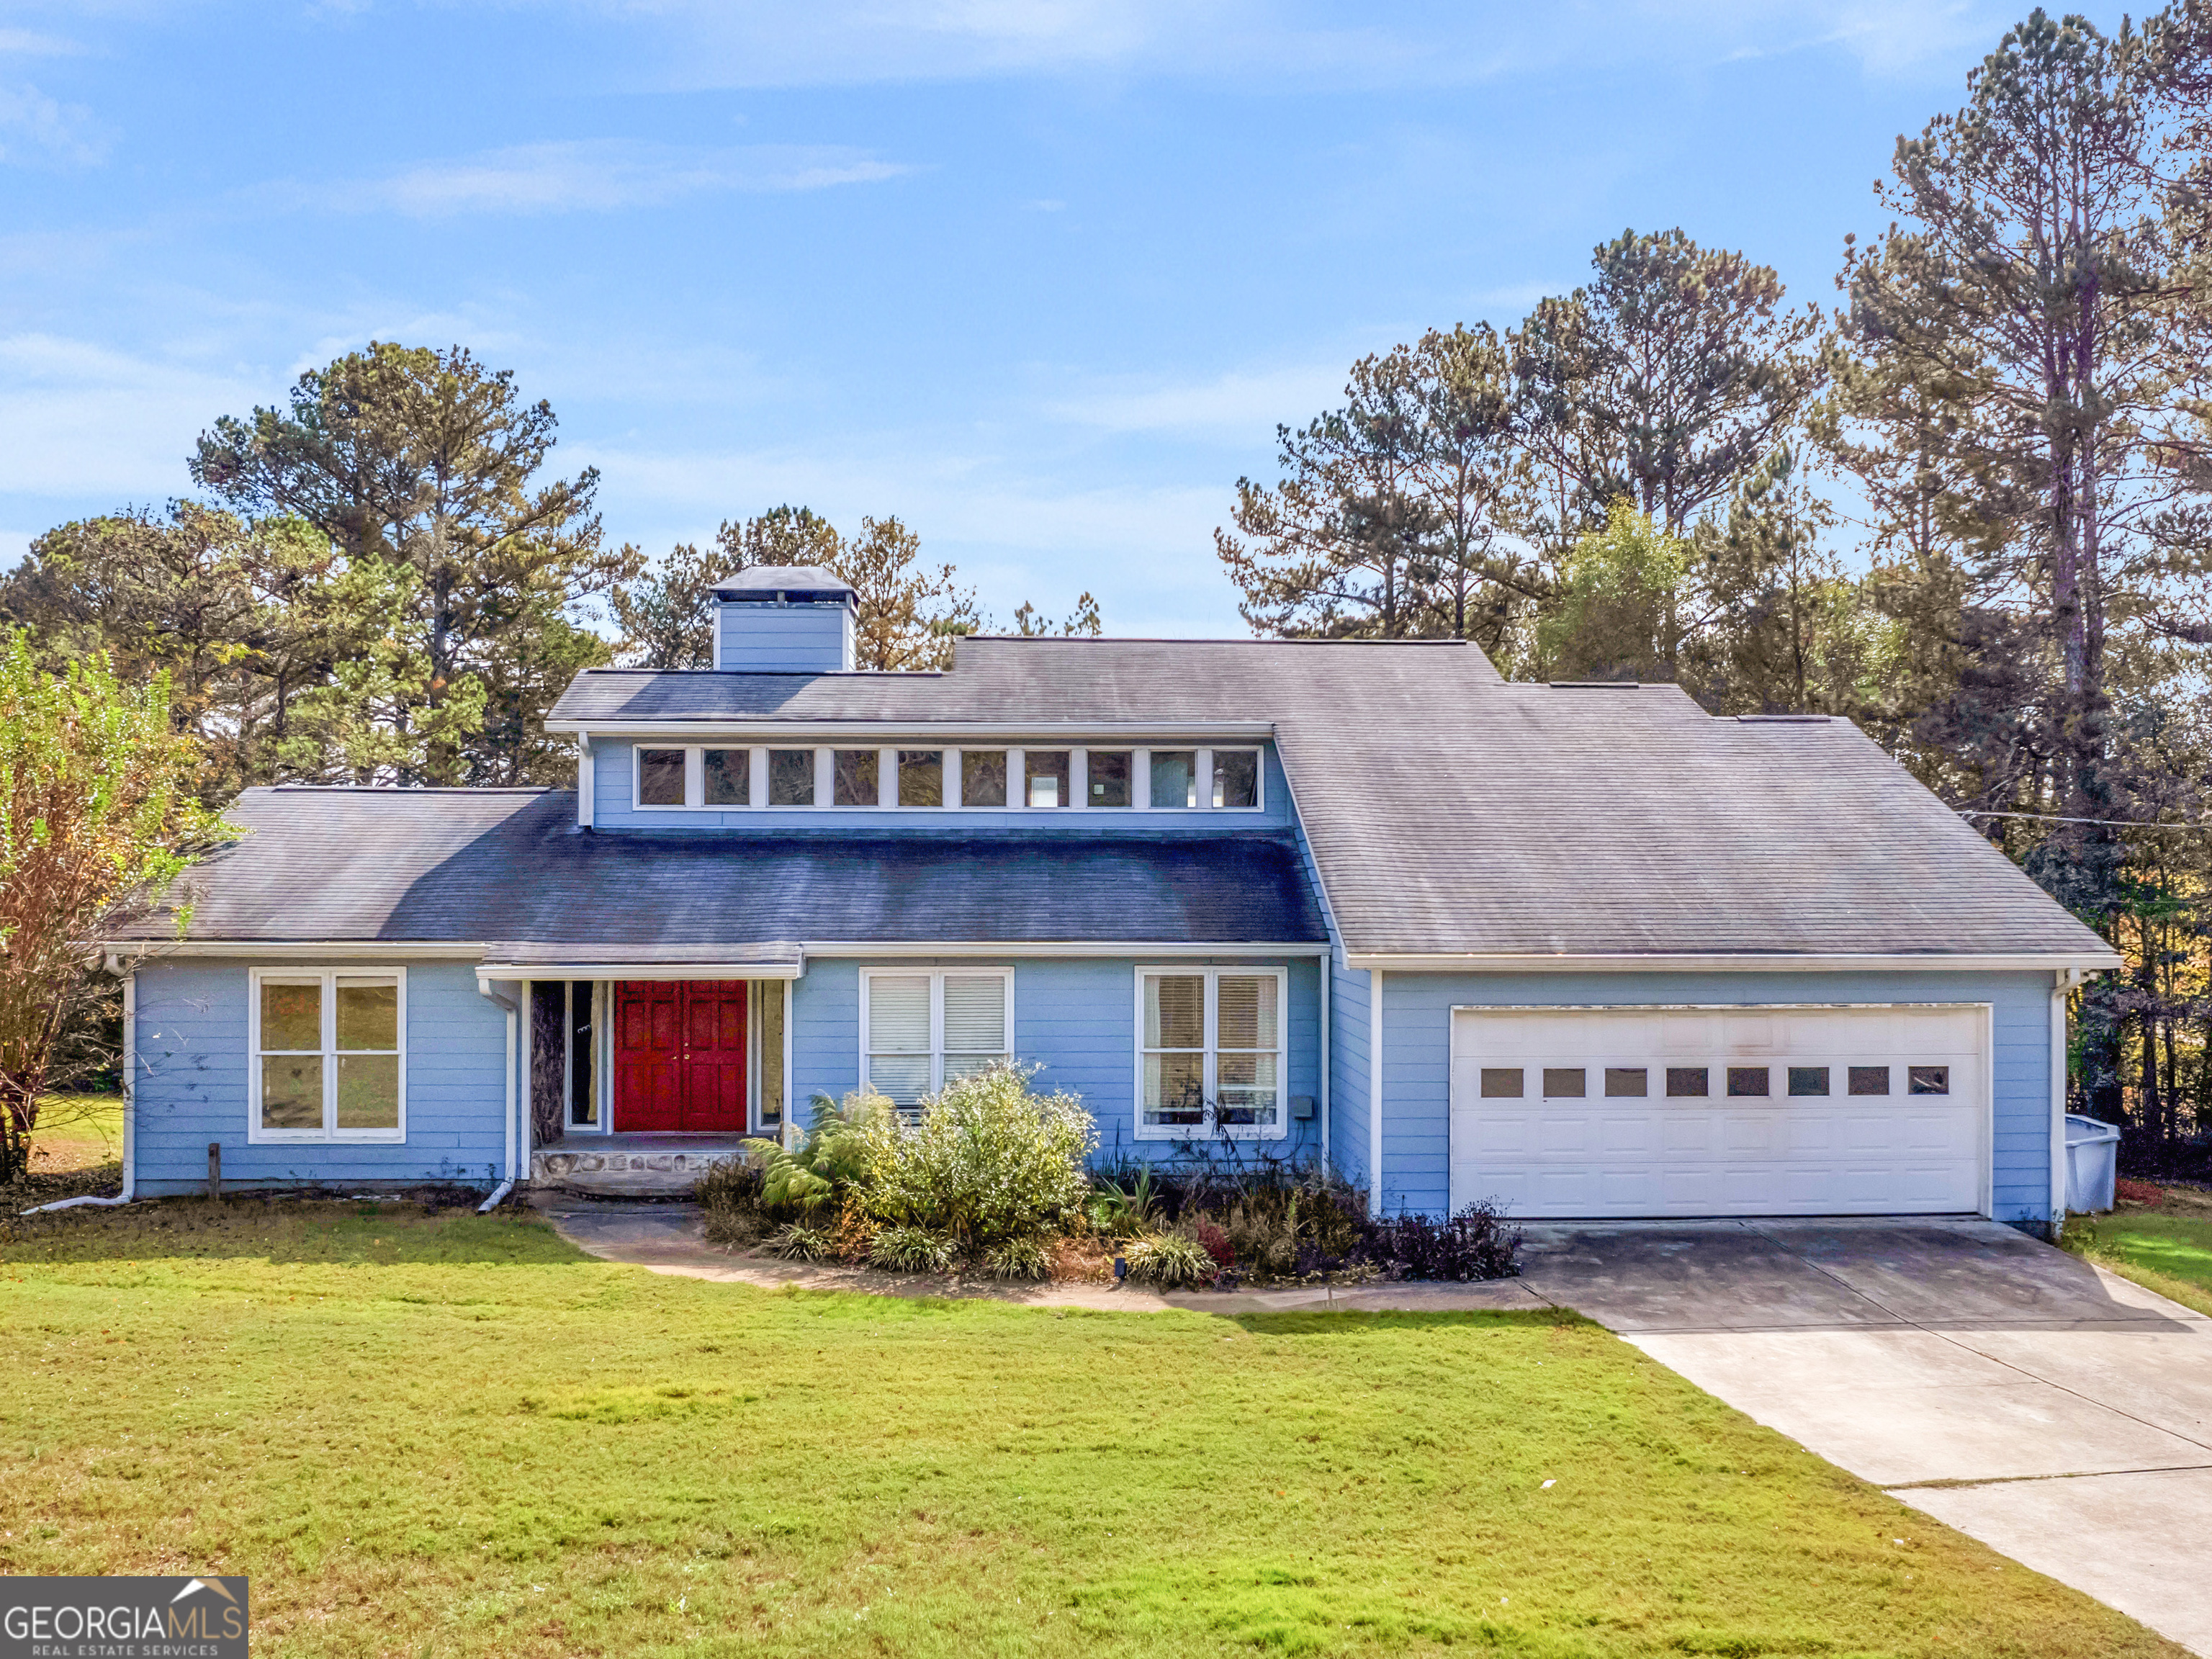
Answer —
(680, 1055)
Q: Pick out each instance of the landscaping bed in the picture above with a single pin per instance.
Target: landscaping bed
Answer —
(990, 1178)
(449, 1434)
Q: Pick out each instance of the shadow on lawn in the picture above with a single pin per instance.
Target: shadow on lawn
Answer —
(1353, 1323)
(283, 1227)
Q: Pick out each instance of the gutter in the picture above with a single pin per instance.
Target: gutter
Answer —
(513, 1015)
(1069, 733)
(130, 1113)
(1739, 963)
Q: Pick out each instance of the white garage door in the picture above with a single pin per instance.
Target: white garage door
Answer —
(1702, 1111)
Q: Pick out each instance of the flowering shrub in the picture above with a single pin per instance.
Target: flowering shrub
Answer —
(990, 1161)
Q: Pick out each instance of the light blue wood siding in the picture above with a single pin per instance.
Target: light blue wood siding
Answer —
(770, 638)
(614, 788)
(1417, 1057)
(1075, 1017)
(191, 1074)
(1349, 1057)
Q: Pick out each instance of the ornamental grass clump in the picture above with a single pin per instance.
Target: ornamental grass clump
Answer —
(911, 1250)
(991, 1160)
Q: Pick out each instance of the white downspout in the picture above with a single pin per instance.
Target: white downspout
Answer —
(513, 1015)
(2063, 982)
(129, 1111)
(1375, 1092)
(1327, 973)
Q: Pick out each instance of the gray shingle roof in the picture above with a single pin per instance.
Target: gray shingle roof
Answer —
(762, 579)
(509, 867)
(1450, 812)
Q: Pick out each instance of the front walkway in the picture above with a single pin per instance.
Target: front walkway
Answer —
(2058, 1413)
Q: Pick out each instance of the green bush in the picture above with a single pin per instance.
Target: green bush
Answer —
(1170, 1260)
(990, 1161)
(831, 1158)
(911, 1250)
(1017, 1258)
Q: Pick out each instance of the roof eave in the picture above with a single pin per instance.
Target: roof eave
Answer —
(1731, 962)
(693, 726)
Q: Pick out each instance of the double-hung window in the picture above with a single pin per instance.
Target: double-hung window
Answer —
(329, 1059)
(1210, 1055)
(920, 1029)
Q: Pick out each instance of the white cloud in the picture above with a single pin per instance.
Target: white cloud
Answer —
(592, 175)
(1246, 407)
(78, 419)
(29, 43)
(35, 128)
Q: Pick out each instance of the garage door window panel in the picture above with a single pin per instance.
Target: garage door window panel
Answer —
(1747, 1082)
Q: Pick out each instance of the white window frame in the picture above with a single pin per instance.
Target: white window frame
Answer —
(328, 977)
(694, 778)
(937, 976)
(1210, 1081)
(1206, 758)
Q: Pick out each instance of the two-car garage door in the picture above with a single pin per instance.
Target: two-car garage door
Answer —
(1646, 1111)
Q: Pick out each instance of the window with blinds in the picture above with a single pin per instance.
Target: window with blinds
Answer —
(1210, 1053)
(922, 1028)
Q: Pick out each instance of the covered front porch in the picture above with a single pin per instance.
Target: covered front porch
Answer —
(641, 1072)
(633, 1164)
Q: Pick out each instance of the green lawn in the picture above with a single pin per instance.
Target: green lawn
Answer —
(2167, 1248)
(456, 1435)
(77, 1148)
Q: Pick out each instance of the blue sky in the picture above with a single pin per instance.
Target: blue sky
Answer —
(1039, 278)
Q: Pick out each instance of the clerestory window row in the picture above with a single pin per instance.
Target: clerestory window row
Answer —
(709, 777)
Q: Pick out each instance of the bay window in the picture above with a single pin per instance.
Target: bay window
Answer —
(329, 1055)
(1210, 1053)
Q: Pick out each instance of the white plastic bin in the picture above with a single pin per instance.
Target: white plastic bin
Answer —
(2092, 1156)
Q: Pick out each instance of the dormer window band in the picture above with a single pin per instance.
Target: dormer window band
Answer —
(671, 777)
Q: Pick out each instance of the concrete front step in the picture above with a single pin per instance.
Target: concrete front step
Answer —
(629, 1165)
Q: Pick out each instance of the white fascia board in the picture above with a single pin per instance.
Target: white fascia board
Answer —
(1147, 949)
(264, 950)
(489, 971)
(694, 729)
(1809, 962)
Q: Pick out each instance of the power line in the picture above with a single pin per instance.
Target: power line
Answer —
(2109, 823)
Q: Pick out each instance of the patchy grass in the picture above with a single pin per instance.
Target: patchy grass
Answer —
(2164, 1243)
(77, 1148)
(452, 1434)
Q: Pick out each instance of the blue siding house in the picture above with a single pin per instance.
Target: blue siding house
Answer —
(1584, 950)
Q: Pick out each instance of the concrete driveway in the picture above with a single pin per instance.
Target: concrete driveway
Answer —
(2059, 1414)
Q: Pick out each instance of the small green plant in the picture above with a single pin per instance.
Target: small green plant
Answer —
(911, 1250)
(1017, 1258)
(800, 1242)
(1121, 1211)
(834, 1154)
(1169, 1260)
